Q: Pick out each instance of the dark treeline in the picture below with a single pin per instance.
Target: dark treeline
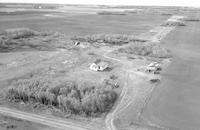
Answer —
(114, 39)
(146, 49)
(173, 23)
(87, 98)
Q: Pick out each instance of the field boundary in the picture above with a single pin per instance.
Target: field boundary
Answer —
(154, 35)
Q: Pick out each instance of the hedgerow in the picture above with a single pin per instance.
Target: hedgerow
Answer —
(114, 39)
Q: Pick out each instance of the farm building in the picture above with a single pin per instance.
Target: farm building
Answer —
(81, 44)
(152, 67)
(99, 65)
(76, 43)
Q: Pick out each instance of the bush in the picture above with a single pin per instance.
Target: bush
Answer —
(131, 11)
(111, 13)
(113, 77)
(115, 39)
(24, 38)
(99, 101)
(18, 33)
(192, 19)
(166, 14)
(173, 23)
(88, 99)
(14, 38)
(146, 49)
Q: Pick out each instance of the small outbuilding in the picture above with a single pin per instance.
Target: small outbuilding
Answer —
(150, 69)
(153, 67)
(76, 43)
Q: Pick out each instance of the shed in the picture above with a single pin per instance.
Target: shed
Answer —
(154, 66)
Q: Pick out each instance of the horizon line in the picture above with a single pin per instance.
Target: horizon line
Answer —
(183, 6)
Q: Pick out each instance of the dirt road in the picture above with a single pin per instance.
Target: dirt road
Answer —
(53, 122)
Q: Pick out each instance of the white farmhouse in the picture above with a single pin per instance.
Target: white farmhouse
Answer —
(99, 66)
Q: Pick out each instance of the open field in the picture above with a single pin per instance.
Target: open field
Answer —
(77, 23)
(66, 69)
(83, 24)
(175, 103)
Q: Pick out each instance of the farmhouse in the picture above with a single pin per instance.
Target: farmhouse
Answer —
(99, 65)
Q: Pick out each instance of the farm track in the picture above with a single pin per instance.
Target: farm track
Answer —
(65, 125)
(53, 122)
(154, 35)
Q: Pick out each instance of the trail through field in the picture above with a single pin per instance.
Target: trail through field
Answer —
(160, 32)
